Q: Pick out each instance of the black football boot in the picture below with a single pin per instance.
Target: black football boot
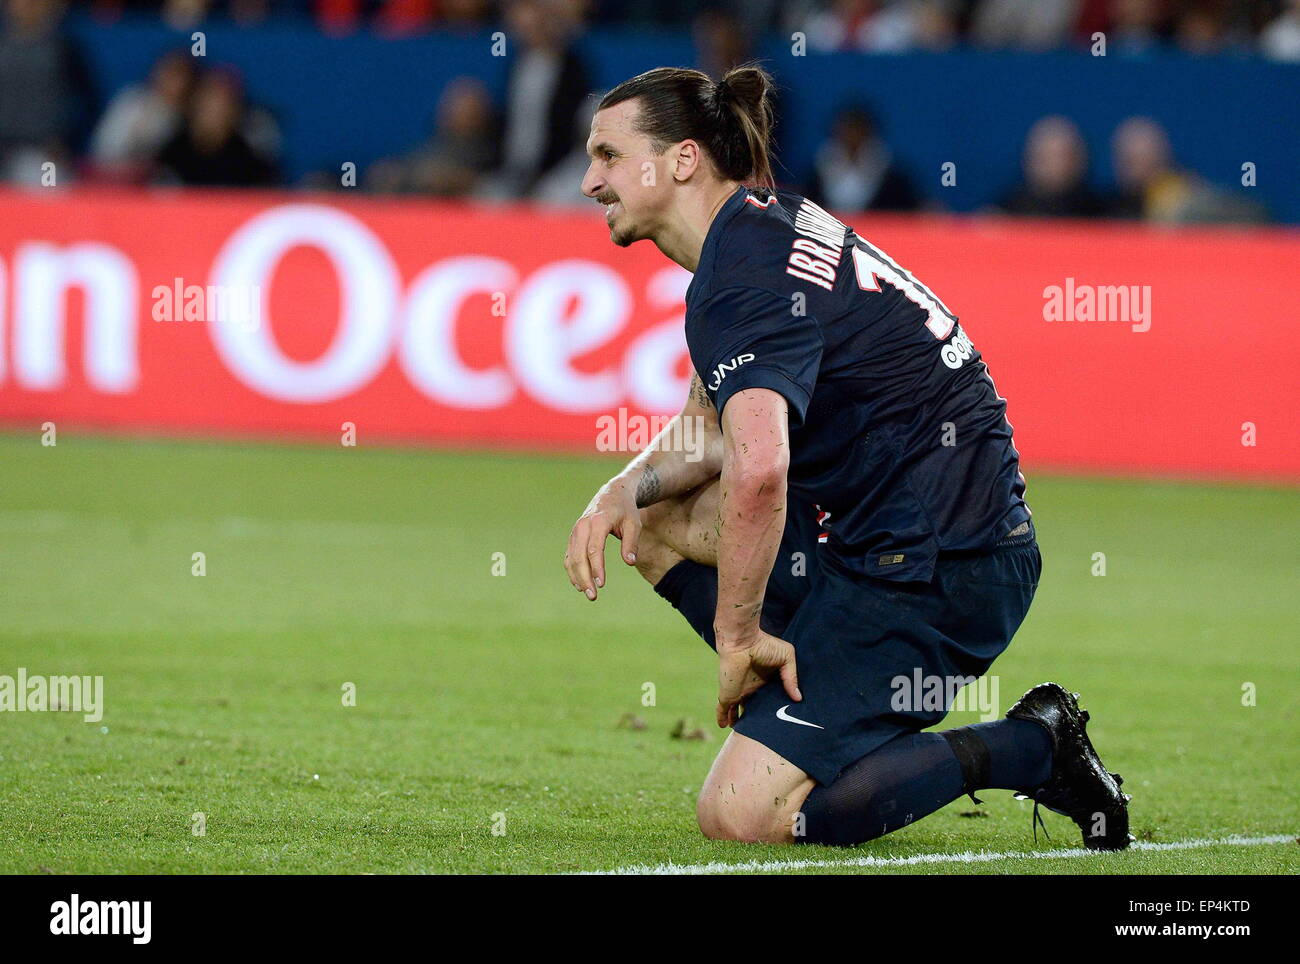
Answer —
(1079, 787)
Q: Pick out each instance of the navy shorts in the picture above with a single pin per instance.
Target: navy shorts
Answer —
(855, 635)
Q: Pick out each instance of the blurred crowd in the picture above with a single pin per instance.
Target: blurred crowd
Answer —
(182, 124)
(1198, 26)
(1150, 185)
(194, 125)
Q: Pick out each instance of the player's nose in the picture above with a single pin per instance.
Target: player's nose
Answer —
(592, 182)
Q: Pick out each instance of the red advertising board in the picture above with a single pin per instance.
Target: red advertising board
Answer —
(1119, 348)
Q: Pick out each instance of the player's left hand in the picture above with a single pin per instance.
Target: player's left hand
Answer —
(743, 669)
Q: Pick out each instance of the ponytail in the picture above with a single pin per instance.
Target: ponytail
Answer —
(745, 113)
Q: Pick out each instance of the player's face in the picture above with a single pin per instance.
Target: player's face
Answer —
(625, 175)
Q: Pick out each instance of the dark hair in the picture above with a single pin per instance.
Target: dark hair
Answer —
(731, 119)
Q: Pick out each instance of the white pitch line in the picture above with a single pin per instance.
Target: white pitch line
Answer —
(968, 857)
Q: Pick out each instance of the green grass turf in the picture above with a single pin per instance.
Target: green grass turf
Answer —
(480, 694)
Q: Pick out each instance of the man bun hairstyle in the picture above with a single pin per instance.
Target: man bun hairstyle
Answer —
(731, 119)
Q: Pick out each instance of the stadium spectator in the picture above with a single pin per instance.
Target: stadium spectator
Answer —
(649, 13)
(1055, 174)
(249, 13)
(877, 27)
(1141, 158)
(143, 118)
(893, 29)
(758, 16)
(337, 17)
(1093, 18)
(46, 98)
(456, 158)
(402, 18)
(184, 14)
(721, 42)
(464, 14)
(1202, 28)
(1137, 26)
(1025, 24)
(562, 185)
(937, 24)
(1150, 186)
(854, 170)
(545, 85)
(1281, 38)
(212, 149)
(394, 18)
(843, 26)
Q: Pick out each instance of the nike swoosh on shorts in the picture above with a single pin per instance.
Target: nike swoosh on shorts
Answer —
(781, 714)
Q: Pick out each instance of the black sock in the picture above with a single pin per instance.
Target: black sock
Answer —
(915, 774)
(692, 589)
(1020, 753)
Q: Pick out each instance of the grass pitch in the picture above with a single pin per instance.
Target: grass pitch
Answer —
(488, 701)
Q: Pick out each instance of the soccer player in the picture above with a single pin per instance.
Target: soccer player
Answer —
(857, 521)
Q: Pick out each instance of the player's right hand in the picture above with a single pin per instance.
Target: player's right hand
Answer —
(742, 670)
(612, 509)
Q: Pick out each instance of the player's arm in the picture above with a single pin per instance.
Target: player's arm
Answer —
(666, 470)
(756, 457)
(662, 471)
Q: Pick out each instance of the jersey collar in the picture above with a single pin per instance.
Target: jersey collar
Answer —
(712, 239)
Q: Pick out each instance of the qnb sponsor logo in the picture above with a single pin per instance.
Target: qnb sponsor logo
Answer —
(67, 694)
(555, 320)
(720, 372)
(76, 916)
(217, 304)
(662, 433)
(928, 693)
(1128, 304)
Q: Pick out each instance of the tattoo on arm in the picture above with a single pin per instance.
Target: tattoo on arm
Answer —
(649, 488)
(698, 392)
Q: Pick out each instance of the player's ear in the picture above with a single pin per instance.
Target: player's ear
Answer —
(686, 160)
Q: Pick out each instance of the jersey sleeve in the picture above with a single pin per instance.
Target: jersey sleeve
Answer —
(748, 337)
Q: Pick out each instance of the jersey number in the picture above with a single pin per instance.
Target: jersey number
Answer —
(871, 263)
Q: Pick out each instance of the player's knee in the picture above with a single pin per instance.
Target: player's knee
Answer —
(735, 820)
(716, 822)
(654, 556)
(654, 518)
(654, 559)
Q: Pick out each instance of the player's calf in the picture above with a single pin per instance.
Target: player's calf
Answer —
(654, 554)
(677, 529)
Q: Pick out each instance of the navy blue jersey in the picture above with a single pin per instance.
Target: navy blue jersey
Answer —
(896, 430)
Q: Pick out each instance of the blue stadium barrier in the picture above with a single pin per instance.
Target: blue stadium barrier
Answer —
(362, 97)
